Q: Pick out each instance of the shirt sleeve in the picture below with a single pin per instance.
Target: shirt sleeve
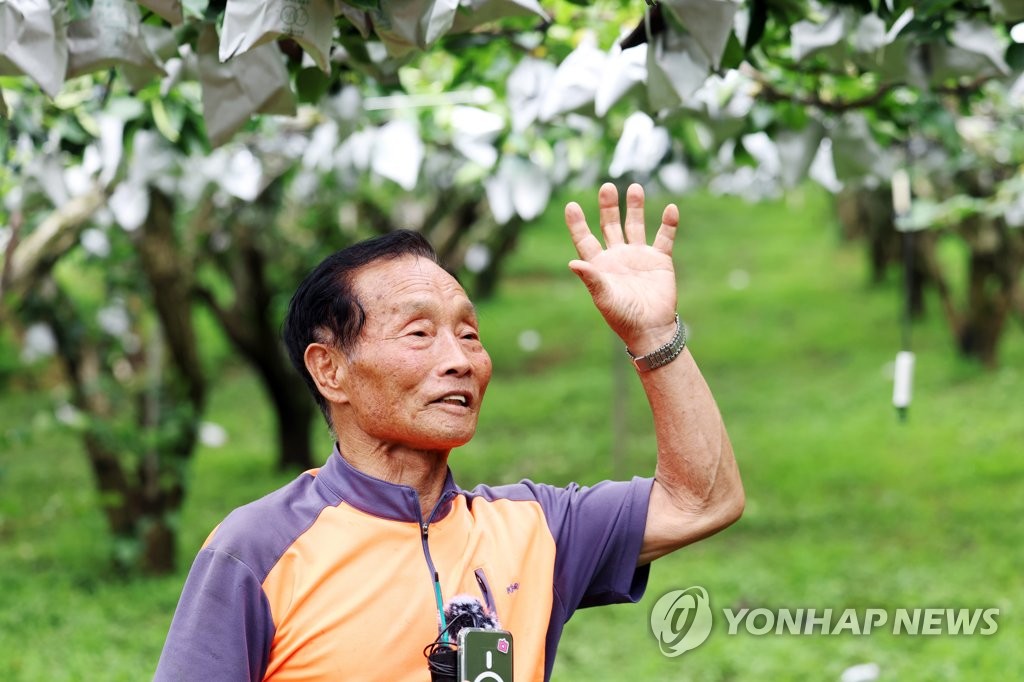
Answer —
(598, 533)
(222, 629)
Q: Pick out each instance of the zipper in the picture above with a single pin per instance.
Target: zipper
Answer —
(485, 590)
(442, 625)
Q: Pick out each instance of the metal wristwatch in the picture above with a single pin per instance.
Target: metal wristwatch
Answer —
(664, 355)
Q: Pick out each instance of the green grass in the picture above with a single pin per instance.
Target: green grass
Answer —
(847, 507)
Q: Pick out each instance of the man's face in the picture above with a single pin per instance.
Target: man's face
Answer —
(418, 371)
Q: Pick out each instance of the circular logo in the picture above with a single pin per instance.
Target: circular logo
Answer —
(681, 620)
(294, 16)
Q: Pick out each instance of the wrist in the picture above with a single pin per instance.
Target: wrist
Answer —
(650, 339)
(663, 354)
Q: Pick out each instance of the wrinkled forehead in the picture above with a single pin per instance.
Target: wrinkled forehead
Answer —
(407, 284)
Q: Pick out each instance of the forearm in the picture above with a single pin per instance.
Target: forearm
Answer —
(694, 451)
(697, 488)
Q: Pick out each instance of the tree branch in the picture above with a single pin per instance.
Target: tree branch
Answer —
(54, 237)
(17, 222)
(771, 94)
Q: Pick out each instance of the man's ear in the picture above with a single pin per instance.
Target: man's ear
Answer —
(328, 367)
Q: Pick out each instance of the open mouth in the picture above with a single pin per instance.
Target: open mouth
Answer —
(457, 399)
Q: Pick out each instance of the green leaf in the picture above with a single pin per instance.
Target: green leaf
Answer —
(734, 53)
(787, 12)
(311, 84)
(213, 9)
(1015, 57)
(862, 6)
(161, 118)
(791, 116)
(125, 108)
(72, 131)
(354, 45)
(78, 9)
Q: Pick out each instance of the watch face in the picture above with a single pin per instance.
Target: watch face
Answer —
(485, 655)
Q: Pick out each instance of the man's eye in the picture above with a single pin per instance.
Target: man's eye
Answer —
(471, 336)
(419, 333)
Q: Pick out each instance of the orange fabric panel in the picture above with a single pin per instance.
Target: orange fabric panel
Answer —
(354, 593)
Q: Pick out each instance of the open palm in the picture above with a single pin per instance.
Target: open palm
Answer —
(633, 284)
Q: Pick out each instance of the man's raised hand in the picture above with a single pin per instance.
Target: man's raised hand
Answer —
(633, 284)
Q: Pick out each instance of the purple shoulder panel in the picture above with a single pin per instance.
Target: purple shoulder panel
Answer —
(257, 534)
(223, 627)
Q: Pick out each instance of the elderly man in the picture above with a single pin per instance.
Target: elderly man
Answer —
(348, 572)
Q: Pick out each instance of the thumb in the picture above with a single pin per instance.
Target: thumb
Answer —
(590, 276)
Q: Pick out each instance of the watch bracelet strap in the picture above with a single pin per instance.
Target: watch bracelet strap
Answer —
(663, 355)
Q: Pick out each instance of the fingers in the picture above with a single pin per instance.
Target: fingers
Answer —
(635, 232)
(666, 236)
(583, 239)
(588, 246)
(608, 202)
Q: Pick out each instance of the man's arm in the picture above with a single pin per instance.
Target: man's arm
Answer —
(697, 489)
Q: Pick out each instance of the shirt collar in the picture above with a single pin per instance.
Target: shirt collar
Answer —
(379, 498)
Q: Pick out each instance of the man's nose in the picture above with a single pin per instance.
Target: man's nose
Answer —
(454, 359)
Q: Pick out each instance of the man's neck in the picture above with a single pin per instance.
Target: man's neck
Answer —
(423, 471)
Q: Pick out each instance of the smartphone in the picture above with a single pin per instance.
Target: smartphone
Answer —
(485, 655)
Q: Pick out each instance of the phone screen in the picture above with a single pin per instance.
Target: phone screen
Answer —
(485, 655)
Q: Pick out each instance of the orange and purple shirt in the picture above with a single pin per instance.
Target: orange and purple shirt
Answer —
(332, 577)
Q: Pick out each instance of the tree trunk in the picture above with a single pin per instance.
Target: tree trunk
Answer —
(170, 280)
(295, 411)
(138, 502)
(988, 306)
(119, 504)
(994, 271)
(247, 323)
(867, 214)
(502, 245)
(159, 543)
(181, 397)
(136, 518)
(251, 333)
(117, 497)
(918, 269)
(1018, 302)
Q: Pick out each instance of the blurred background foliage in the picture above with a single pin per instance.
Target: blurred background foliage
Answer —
(160, 205)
